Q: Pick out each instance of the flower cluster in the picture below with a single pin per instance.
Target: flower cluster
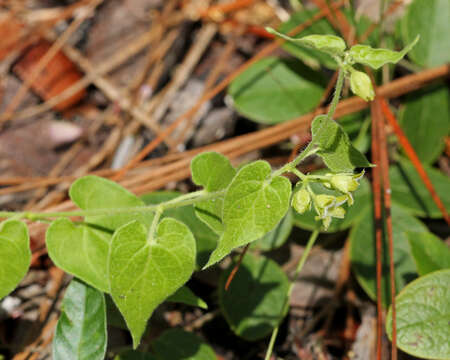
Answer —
(326, 206)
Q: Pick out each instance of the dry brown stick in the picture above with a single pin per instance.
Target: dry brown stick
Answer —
(183, 71)
(274, 134)
(80, 17)
(216, 90)
(63, 161)
(154, 76)
(270, 135)
(384, 164)
(160, 103)
(101, 69)
(160, 26)
(107, 148)
(113, 93)
(211, 80)
(258, 139)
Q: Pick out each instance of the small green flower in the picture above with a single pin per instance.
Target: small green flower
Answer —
(323, 201)
(345, 183)
(328, 207)
(301, 201)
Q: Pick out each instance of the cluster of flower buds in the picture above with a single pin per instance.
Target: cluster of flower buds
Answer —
(326, 206)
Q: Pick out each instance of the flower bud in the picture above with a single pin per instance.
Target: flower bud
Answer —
(361, 85)
(344, 183)
(301, 201)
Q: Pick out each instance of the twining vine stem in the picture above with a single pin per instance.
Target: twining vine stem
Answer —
(337, 94)
(180, 201)
(292, 168)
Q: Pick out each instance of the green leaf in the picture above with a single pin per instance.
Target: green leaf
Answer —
(144, 270)
(93, 192)
(312, 57)
(430, 253)
(362, 197)
(214, 172)
(276, 90)
(357, 126)
(176, 344)
(429, 19)
(336, 150)
(362, 252)
(376, 58)
(409, 191)
(15, 255)
(330, 44)
(81, 329)
(82, 250)
(254, 303)
(254, 204)
(205, 238)
(423, 317)
(134, 355)
(425, 119)
(186, 296)
(278, 236)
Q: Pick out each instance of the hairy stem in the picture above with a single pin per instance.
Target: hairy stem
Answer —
(180, 201)
(309, 245)
(337, 94)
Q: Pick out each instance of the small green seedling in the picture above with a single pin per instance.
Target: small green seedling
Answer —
(141, 258)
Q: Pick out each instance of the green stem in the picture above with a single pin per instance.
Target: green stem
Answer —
(152, 232)
(309, 245)
(183, 200)
(293, 164)
(337, 94)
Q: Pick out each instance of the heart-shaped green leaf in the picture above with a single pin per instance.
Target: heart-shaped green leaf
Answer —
(278, 236)
(134, 355)
(429, 19)
(254, 204)
(363, 258)
(336, 149)
(376, 58)
(214, 172)
(425, 119)
(82, 250)
(430, 253)
(256, 299)
(144, 270)
(275, 90)
(93, 192)
(185, 295)
(205, 237)
(176, 344)
(409, 192)
(15, 255)
(81, 330)
(423, 317)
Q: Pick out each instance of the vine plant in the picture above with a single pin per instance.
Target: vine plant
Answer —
(124, 248)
